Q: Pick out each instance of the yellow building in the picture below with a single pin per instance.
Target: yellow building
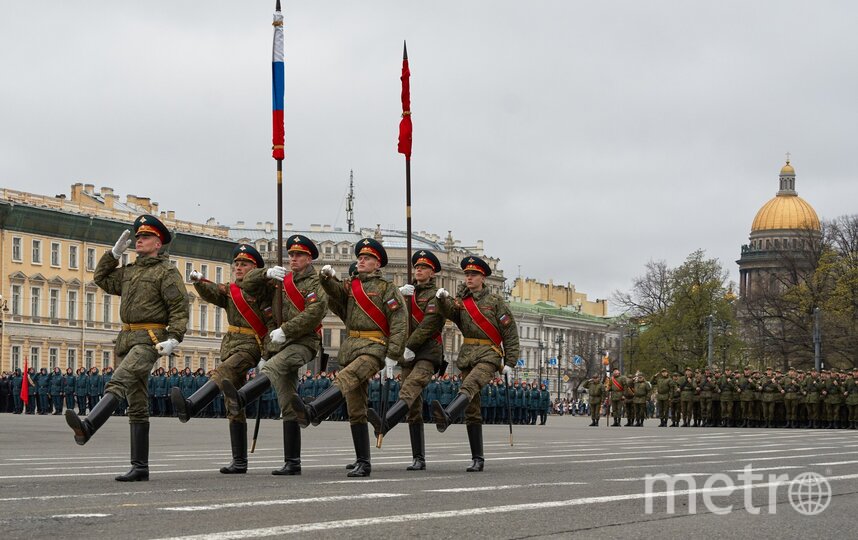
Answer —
(51, 311)
(531, 291)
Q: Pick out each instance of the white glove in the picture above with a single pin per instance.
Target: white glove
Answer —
(328, 271)
(195, 276)
(389, 363)
(442, 293)
(261, 364)
(408, 354)
(278, 336)
(506, 371)
(276, 272)
(166, 348)
(121, 245)
(407, 290)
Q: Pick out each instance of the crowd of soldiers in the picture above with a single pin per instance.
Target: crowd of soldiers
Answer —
(274, 317)
(48, 393)
(748, 399)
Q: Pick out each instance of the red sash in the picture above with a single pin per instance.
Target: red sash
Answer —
(246, 311)
(368, 307)
(295, 296)
(616, 384)
(488, 328)
(418, 315)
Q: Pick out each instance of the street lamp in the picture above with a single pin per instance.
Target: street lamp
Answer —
(541, 347)
(4, 307)
(559, 342)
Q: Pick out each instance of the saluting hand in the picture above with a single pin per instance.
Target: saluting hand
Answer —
(121, 244)
(328, 271)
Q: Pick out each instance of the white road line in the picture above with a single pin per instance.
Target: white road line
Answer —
(680, 475)
(89, 495)
(782, 468)
(508, 486)
(72, 516)
(406, 518)
(281, 502)
(834, 463)
(375, 480)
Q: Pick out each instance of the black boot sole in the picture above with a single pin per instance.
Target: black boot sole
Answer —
(80, 434)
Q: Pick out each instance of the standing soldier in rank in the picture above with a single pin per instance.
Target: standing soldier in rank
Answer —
(727, 387)
(616, 393)
(642, 391)
(377, 323)
(851, 394)
(490, 344)
(423, 355)
(662, 384)
(595, 393)
(292, 345)
(675, 397)
(154, 313)
(240, 348)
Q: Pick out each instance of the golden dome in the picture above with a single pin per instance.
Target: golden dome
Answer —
(787, 169)
(786, 211)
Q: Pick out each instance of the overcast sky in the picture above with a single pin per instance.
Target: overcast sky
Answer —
(577, 139)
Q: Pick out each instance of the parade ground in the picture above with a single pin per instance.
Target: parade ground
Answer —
(562, 480)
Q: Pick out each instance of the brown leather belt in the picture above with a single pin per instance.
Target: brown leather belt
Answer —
(145, 327)
(372, 335)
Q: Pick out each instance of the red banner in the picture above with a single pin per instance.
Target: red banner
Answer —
(25, 384)
(405, 124)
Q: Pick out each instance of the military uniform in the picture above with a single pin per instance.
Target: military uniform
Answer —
(727, 389)
(792, 391)
(595, 394)
(154, 313)
(833, 400)
(675, 400)
(640, 400)
(616, 393)
(663, 383)
(745, 387)
(369, 343)
(57, 391)
(687, 389)
(851, 391)
(69, 381)
(479, 358)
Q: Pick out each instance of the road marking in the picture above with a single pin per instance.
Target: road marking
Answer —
(279, 502)
(89, 495)
(508, 486)
(466, 512)
(680, 475)
(835, 463)
(375, 480)
(71, 516)
(782, 468)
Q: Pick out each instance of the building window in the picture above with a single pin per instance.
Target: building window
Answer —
(204, 270)
(55, 254)
(71, 358)
(204, 318)
(218, 322)
(90, 307)
(16, 357)
(343, 335)
(218, 274)
(16, 249)
(107, 311)
(88, 355)
(34, 357)
(189, 267)
(326, 337)
(187, 361)
(53, 355)
(36, 297)
(204, 364)
(54, 304)
(105, 359)
(37, 252)
(328, 250)
(344, 250)
(73, 257)
(16, 299)
(72, 305)
(90, 259)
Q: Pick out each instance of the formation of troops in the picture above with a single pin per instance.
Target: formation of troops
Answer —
(275, 314)
(749, 398)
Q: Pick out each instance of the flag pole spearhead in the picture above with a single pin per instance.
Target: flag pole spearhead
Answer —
(404, 50)
(277, 8)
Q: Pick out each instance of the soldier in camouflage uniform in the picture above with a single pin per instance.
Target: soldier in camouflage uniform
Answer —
(811, 390)
(687, 387)
(707, 388)
(792, 390)
(726, 388)
(663, 383)
(770, 386)
(616, 392)
(833, 399)
(240, 349)
(595, 393)
(377, 324)
(154, 313)
(745, 386)
(423, 355)
(851, 394)
(288, 347)
(479, 315)
(643, 389)
(675, 400)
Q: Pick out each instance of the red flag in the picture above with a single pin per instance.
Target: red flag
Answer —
(25, 384)
(405, 123)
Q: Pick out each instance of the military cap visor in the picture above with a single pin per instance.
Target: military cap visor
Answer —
(246, 252)
(476, 264)
(426, 258)
(373, 248)
(148, 224)
(301, 244)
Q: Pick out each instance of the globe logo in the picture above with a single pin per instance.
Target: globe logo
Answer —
(809, 493)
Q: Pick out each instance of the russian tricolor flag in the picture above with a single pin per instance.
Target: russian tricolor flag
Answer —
(277, 86)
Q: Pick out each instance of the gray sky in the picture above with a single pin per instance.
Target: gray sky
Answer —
(578, 139)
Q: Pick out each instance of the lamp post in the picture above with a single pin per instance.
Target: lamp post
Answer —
(4, 307)
(541, 347)
(559, 342)
(817, 340)
(710, 318)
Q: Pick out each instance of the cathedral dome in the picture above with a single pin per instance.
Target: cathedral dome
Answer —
(786, 210)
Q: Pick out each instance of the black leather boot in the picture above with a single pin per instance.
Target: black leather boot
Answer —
(444, 417)
(360, 438)
(139, 454)
(188, 408)
(85, 429)
(236, 400)
(291, 450)
(393, 416)
(322, 406)
(238, 442)
(475, 439)
(418, 447)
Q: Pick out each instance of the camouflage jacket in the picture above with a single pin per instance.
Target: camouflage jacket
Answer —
(422, 341)
(383, 294)
(498, 313)
(233, 342)
(595, 391)
(152, 291)
(299, 326)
